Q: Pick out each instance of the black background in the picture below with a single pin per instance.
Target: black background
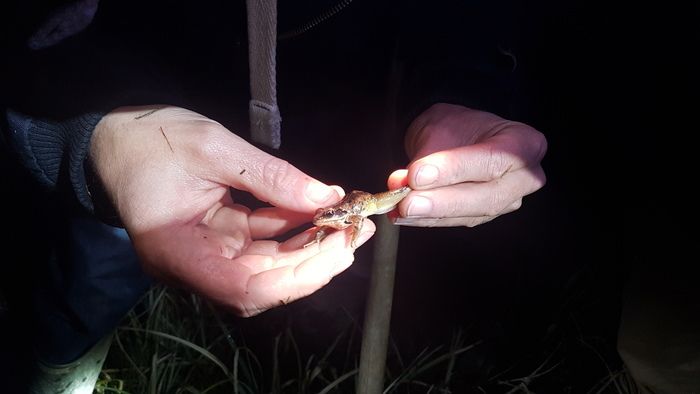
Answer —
(614, 89)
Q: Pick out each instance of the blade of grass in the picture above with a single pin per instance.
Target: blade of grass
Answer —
(186, 343)
(448, 355)
(338, 381)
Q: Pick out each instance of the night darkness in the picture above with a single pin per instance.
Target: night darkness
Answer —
(614, 89)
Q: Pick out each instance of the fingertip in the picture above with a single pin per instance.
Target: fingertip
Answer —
(344, 262)
(339, 190)
(362, 238)
(368, 230)
(321, 194)
(369, 225)
(397, 179)
(423, 175)
(430, 171)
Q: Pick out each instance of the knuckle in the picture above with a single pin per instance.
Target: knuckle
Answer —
(451, 208)
(539, 179)
(540, 142)
(492, 211)
(496, 204)
(536, 142)
(496, 163)
(436, 130)
(209, 139)
(276, 172)
(517, 204)
(473, 222)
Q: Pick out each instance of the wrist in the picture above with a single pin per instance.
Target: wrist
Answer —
(109, 157)
(103, 207)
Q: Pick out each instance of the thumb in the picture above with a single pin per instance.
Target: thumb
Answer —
(272, 179)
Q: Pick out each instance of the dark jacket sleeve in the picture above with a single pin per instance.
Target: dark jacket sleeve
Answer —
(64, 74)
(54, 151)
(48, 131)
(457, 52)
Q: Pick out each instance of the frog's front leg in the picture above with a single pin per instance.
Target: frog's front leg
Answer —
(357, 221)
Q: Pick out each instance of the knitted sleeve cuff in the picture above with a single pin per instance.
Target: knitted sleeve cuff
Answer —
(55, 151)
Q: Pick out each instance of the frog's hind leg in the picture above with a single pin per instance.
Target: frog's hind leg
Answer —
(357, 222)
(320, 235)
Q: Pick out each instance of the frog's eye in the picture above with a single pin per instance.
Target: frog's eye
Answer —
(339, 212)
(330, 213)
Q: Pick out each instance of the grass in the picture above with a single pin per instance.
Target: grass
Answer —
(175, 342)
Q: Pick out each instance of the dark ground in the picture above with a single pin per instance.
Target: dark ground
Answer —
(614, 89)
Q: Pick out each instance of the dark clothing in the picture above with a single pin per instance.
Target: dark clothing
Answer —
(347, 89)
(356, 63)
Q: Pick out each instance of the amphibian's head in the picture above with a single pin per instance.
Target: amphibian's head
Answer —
(332, 217)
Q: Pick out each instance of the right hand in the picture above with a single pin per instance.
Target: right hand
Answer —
(168, 175)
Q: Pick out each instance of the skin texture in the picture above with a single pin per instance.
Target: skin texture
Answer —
(168, 174)
(467, 167)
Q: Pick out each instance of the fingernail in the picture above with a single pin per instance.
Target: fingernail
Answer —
(427, 175)
(404, 221)
(339, 190)
(418, 222)
(318, 192)
(419, 206)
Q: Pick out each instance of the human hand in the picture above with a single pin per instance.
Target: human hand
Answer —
(168, 173)
(468, 167)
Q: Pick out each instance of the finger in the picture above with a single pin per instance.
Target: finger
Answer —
(445, 126)
(293, 252)
(339, 238)
(287, 276)
(263, 248)
(271, 222)
(509, 150)
(226, 223)
(473, 199)
(283, 285)
(397, 179)
(245, 167)
(452, 222)
(248, 293)
(443, 222)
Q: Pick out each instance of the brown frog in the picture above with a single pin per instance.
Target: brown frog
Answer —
(352, 211)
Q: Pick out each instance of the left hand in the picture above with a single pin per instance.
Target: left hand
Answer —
(467, 167)
(169, 171)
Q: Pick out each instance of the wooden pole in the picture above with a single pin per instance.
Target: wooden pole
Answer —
(375, 336)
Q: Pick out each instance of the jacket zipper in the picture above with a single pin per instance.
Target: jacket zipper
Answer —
(322, 17)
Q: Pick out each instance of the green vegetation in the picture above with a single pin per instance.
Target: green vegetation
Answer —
(175, 342)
